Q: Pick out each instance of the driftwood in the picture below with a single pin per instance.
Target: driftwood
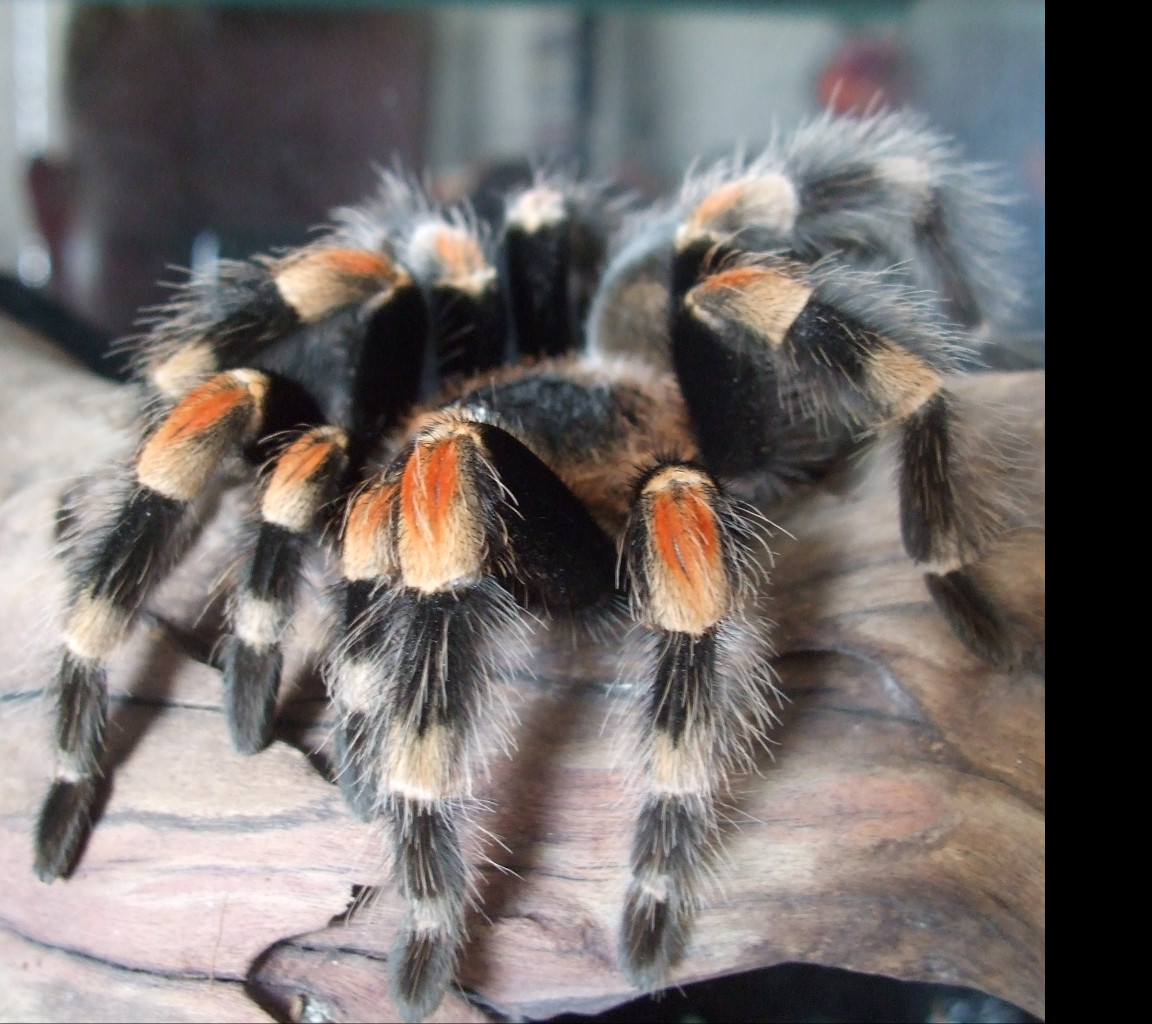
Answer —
(899, 829)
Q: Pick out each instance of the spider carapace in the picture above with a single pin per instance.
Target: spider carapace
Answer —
(575, 413)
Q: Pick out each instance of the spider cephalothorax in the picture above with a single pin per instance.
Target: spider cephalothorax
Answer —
(559, 416)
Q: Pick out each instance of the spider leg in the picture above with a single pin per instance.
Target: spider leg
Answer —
(369, 568)
(536, 253)
(465, 307)
(119, 564)
(353, 326)
(303, 481)
(127, 558)
(882, 193)
(898, 192)
(553, 245)
(705, 702)
(836, 347)
(440, 552)
(232, 317)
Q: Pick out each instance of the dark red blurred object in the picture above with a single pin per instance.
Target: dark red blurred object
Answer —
(866, 74)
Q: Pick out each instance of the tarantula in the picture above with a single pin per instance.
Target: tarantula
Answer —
(574, 414)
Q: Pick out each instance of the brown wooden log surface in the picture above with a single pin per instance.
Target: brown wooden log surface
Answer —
(899, 830)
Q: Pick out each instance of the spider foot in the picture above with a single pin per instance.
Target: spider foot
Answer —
(63, 827)
(672, 842)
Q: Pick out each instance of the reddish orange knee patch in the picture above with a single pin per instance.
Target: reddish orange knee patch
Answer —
(736, 279)
(184, 451)
(356, 263)
(204, 409)
(768, 199)
(368, 547)
(440, 539)
(687, 578)
(429, 487)
(717, 204)
(304, 459)
(317, 283)
(302, 477)
(459, 253)
(764, 299)
(685, 532)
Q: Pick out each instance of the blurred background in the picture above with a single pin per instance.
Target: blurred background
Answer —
(139, 137)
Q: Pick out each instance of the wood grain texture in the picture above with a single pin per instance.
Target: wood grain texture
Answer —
(899, 829)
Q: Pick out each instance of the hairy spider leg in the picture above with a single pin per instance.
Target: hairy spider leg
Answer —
(880, 193)
(230, 413)
(467, 320)
(441, 552)
(231, 316)
(868, 360)
(705, 699)
(352, 331)
(552, 250)
(307, 476)
(368, 564)
(889, 186)
(536, 251)
(135, 549)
